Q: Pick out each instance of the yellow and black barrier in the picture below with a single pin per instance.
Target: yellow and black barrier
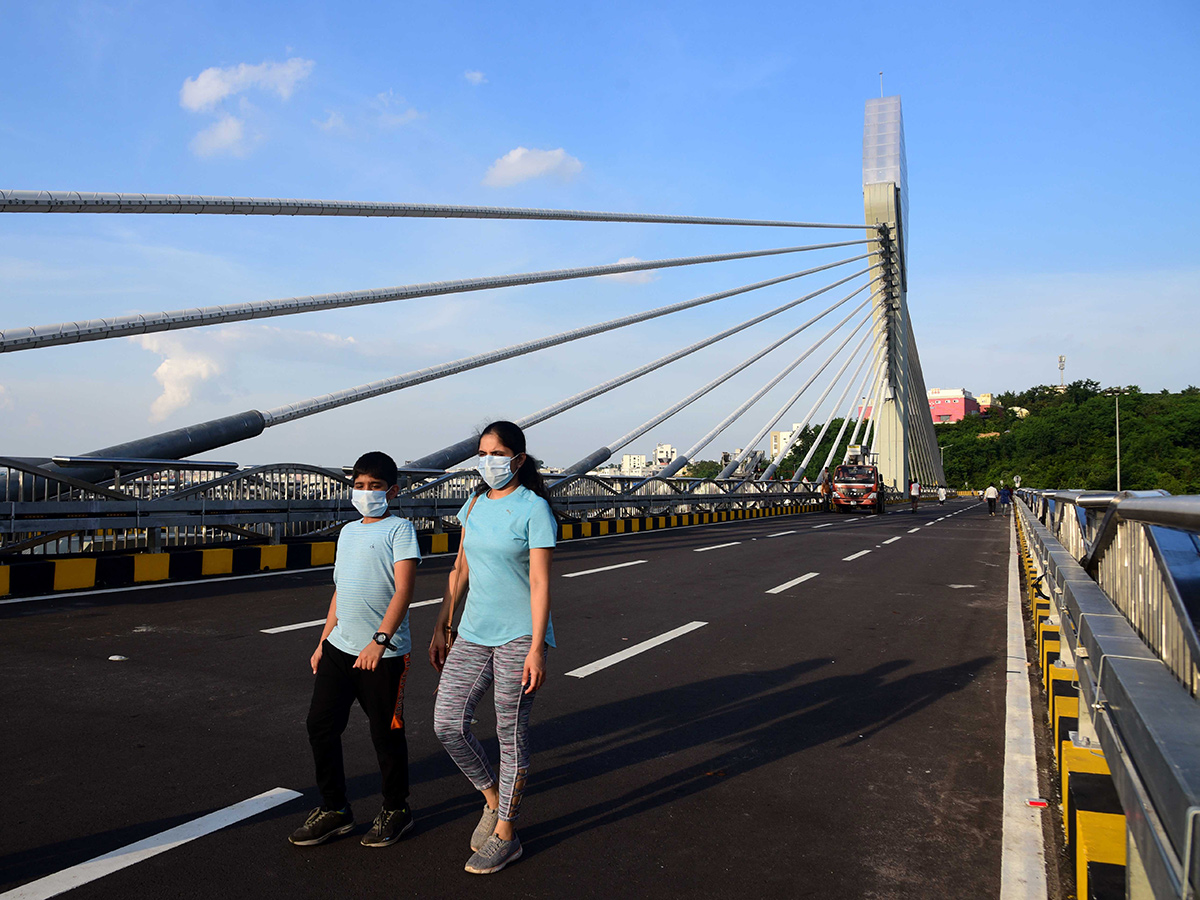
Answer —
(34, 578)
(1092, 818)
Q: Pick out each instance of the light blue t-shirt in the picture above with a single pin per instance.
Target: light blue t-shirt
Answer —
(499, 534)
(365, 579)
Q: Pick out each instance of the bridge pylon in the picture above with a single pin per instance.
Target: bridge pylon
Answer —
(904, 438)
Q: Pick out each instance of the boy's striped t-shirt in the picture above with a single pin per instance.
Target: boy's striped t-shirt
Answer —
(365, 581)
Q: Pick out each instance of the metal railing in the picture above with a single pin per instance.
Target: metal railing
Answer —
(1123, 577)
(1143, 550)
(46, 512)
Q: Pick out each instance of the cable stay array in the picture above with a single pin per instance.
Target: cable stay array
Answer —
(601, 455)
(789, 403)
(685, 458)
(457, 452)
(769, 473)
(833, 410)
(837, 441)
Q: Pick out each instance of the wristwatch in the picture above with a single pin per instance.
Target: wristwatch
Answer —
(383, 639)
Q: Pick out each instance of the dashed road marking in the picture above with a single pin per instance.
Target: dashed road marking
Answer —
(826, 525)
(927, 524)
(280, 629)
(73, 877)
(791, 584)
(914, 530)
(636, 562)
(716, 547)
(780, 533)
(598, 665)
(892, 540)
(855, 555)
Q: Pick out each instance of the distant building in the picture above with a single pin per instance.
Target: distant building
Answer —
(988, 401)
(779, 439)
(633, 465)
(664, 455)
(952, 404)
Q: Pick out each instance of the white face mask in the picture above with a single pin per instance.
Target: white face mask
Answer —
(370, 503)
(496, 470)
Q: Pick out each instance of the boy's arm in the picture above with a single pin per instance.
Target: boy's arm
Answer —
(330, 623)
(534, 673)
(405, 573)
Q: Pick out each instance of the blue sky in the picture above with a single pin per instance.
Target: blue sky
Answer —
(1050, 148)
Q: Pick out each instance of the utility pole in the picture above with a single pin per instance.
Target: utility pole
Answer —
(1062, 365)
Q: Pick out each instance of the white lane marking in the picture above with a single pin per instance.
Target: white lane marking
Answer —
(161, 584)
(892, 540)
(791, 584)
(1022, 863)
(280, 629)
(914, 530)
(716, 547)
(53, 885)
(960, 586)
(780, 533)
(855, 555)
(855, 519)
(826, 525)
(927, 524)
(636, 562)
(593, 668)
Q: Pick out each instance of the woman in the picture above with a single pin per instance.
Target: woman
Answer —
(508, 538)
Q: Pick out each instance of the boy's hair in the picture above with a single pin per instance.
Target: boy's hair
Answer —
(377, 464)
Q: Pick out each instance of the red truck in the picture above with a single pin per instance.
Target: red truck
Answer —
(856, 487)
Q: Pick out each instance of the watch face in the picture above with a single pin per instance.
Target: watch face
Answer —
(381, 638)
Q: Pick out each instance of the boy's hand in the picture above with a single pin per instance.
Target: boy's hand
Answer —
(369, 658)
(316, 658)
(437, 648)
(534, 673)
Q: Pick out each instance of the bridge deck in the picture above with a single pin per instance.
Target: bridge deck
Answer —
(842, 737)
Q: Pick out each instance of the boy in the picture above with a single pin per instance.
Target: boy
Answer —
(363, 655)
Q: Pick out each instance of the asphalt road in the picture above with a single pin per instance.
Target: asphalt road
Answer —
(842, 737)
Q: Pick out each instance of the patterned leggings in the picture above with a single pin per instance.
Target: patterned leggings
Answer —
(469, 670)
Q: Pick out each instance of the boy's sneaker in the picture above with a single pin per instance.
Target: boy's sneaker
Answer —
(494, 855)
(486, 827)
(389, 826)
(321, 825)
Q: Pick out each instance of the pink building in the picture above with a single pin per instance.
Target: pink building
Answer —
(951, 404)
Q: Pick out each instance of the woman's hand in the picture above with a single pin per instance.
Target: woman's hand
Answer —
(533, 676)
(438, 648)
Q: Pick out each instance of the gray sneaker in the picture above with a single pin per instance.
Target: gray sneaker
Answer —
(494, 855)
(321, 825)
(486, 827)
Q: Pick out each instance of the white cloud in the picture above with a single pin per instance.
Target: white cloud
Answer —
(333, 122)
(226, 136)
(392, 111)
(474, 77)
(213, 85)
(632, 277)
(180, 371)
(5, 399)
(523, 164)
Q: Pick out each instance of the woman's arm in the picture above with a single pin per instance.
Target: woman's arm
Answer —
(456, 589)
(534, 674)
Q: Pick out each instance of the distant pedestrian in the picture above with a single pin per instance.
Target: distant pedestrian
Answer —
(941, 496)
(990, 496)
(503, 559)
(363, 655)
(1005, 499)
(914, 493)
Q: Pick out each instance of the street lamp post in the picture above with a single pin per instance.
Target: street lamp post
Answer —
(1116, 394)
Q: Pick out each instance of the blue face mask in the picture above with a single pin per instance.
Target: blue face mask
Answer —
(373, 504)
(496, 471)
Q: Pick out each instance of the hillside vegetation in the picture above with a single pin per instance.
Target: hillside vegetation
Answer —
(1068, 440)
